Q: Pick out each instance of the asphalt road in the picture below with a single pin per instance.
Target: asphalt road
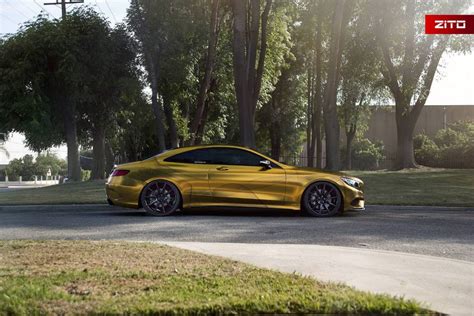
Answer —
(436, 231)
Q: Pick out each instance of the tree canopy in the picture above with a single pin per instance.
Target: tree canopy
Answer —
(284, 77)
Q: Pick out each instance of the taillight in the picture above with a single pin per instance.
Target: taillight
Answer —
(119, 172)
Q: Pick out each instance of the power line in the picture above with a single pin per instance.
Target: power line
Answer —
(113, 15)
(10, 20)
(43, 9)
(98, 7)
(63, 4)
(14, 8)
(23, 4)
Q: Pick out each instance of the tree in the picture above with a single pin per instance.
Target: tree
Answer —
(360, 79)
(410, 60)
(282, 116)
(312, 38)
(60, 83)
(24, 167)
(331, 121)
(145, 19)
(40, 85)
(249, 26)
(169, 41)
(50, 162)
(110, 72)
(3, 138)
(316, 99)
(199, 117)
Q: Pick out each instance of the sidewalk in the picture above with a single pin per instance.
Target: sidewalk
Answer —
(445, 285)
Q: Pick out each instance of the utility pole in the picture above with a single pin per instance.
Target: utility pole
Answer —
(63, 4)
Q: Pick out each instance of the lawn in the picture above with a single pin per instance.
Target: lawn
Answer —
(86, 277)
(88, 192)
(444, 187)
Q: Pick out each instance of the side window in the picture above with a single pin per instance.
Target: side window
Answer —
(198, 156)
(233, 156)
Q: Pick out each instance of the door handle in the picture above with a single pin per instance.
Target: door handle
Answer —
(222, 168)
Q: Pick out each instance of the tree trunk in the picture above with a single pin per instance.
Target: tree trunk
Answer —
(98, 153)
(206, 82)
(274, 129)
(202, 125)
(330, 106)
(173, 130)
(240, 65)
(157, 111)
(257, 83)
(309, 114)
(275, 139)
(247, 79)
(73, 164)
(318, 98)
(349, 139)
(405, 153)
(109, 158)
(319, 147)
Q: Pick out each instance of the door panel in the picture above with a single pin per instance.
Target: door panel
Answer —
(247, 185)
(190, 171)
(193, 182)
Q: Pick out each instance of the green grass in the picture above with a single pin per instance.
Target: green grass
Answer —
(443, 187)
(84, 277)
(88, 192)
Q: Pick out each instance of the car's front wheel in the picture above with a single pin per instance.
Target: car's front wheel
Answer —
(322, 199)
(160, 198)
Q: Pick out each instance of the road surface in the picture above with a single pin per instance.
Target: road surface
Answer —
(435, 231)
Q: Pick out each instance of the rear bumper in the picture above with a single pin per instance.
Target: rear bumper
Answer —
(120, 195)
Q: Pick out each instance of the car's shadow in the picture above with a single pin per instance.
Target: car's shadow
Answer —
(229, 211)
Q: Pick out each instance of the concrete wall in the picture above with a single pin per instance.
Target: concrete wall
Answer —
(382, 127)
(26, 184)
(432, 118)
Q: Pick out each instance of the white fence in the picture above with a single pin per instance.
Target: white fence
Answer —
(37, 182)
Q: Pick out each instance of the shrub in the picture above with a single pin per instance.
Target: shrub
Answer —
(366, 155)
(85, 175)
(50, 162)
(426, 150)
(27, 168)
(24, 167)
(452, 147)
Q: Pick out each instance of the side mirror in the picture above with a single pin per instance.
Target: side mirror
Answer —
(266, 164)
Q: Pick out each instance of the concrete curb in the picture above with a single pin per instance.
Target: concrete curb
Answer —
(446, 285)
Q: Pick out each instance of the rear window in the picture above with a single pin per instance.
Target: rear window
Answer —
(192, 156)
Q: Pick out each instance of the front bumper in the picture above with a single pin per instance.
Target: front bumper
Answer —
(357, 204)
(353, 199)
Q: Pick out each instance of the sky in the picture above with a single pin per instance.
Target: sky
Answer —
(453, 84)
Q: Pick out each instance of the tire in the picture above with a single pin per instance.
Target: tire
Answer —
(160, 198)
(322, 199)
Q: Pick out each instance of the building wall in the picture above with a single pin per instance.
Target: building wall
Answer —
(382, 127)
(382, 124)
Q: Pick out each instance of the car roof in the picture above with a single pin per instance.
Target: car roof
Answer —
(179, 150)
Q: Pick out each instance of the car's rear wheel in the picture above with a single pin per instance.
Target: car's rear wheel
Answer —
(322, 199)
(160, 198)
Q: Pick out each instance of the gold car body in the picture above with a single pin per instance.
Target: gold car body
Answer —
(227, 185)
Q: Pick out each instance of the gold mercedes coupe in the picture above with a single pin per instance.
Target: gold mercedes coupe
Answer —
(231, 176)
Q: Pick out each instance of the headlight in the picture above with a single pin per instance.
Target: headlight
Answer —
(352, 182)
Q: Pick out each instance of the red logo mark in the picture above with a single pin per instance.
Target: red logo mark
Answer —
(449, 24)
